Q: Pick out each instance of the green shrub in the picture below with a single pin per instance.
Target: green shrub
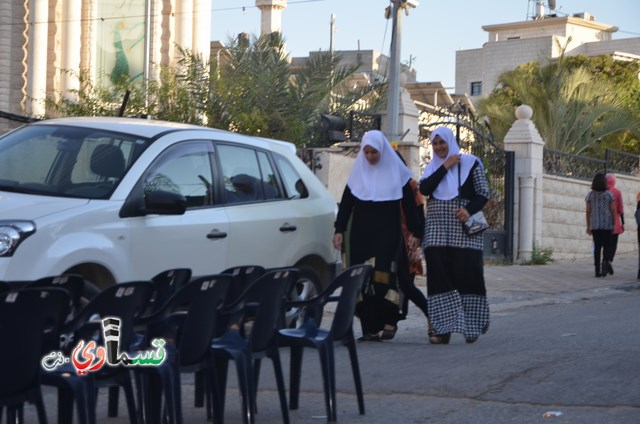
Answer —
(540, 256)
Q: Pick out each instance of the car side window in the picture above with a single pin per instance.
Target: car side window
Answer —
(248, 175)
(293, 184)
(269, 180)
(188, 173)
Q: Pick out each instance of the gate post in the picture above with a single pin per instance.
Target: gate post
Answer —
(524, 140)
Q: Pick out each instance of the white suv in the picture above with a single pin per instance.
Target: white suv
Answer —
(120, 199)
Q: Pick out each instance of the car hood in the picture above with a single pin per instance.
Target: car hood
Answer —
(27, 206)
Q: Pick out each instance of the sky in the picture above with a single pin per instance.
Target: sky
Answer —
(430, 36)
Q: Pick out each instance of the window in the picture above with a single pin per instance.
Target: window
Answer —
(248, 175)
(476, 88)
(187, 172)
(293, 184)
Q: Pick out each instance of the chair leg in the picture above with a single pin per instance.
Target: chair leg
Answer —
(254, 387)
(42, 415)
(114, 394)
(295, 369)
(328, 381)
(65, 406)
(131, 403)
(243, 368)
(198, 399)
(282, 392)
(355, 368)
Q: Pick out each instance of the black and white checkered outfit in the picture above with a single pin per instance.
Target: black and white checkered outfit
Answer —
(442, 228)
(455, 272)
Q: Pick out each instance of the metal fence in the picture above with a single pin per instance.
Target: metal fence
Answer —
(584, 167)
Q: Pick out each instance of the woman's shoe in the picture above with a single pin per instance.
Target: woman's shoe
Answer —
(439, 338)
(370, 338)
(389, 332)
(608, 267)
(470, 340)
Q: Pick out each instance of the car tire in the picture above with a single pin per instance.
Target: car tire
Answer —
(307, 286)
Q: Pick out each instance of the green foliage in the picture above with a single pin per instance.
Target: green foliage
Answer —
(580, 104)
(540, 256)
(250, 87)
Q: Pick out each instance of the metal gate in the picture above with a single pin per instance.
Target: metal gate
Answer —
(475, 137)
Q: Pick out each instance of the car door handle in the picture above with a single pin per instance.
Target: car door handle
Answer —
(216, 234)
(286, 228)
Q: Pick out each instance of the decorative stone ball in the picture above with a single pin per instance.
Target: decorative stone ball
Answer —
(524, 112)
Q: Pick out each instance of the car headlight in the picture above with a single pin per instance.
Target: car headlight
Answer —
(12, 233)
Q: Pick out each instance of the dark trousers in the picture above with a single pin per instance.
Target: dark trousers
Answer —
(601, 246)
(614, 245)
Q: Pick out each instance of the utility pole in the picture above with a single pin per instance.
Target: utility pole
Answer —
(393, 102)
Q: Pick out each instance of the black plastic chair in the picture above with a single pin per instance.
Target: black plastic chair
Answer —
(73, 283)
(265, 298)
(125, 301)
(166, 284)
(309, 334)
(243, 276)
(26, 315)
(4, 286)
(187, 321)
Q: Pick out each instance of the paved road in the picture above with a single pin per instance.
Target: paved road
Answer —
(561, 341)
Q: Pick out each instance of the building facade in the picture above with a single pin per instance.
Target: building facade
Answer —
(512, 44)
(46, 44)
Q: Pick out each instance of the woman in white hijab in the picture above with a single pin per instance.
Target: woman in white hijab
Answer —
(377, 187)
(457, 188)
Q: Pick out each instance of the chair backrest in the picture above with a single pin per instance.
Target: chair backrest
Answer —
(126, 301)
(350, 282)
(269, 292)
(73, 283)
(243, 277)
(197, 303)
(166, 284)
(25, 315)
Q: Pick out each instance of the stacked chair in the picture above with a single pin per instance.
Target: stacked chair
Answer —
(186, 322)
(311, 335)
(262, 304)
(27, 319)
(205, 323)
(126, 301)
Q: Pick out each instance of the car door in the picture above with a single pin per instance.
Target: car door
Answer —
(263, 230)
(197, 239)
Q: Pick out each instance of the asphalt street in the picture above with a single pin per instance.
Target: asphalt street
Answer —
(563, 347)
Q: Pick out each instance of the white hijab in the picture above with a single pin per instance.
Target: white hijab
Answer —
(448, 187)
(382, 181)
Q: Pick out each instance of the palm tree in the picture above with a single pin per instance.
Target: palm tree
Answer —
(250, 88)
(573, 108)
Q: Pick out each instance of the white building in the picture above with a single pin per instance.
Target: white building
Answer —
(105, 38)
(512, 44)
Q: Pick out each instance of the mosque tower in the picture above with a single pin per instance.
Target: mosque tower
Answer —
(271, 15)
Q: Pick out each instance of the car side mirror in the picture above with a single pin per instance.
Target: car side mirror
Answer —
(160, 202)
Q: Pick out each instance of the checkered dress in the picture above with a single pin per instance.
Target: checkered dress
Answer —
(457, 299)
(442, 228)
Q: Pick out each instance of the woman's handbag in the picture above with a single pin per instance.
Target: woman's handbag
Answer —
(476, 223)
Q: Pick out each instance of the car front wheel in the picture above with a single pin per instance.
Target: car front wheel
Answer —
(307, 286)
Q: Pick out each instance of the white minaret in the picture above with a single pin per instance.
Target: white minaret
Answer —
(271, 15)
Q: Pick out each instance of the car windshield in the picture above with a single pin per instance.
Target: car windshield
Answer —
(66, 161)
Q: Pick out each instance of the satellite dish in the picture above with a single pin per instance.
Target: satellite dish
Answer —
(552, 4)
